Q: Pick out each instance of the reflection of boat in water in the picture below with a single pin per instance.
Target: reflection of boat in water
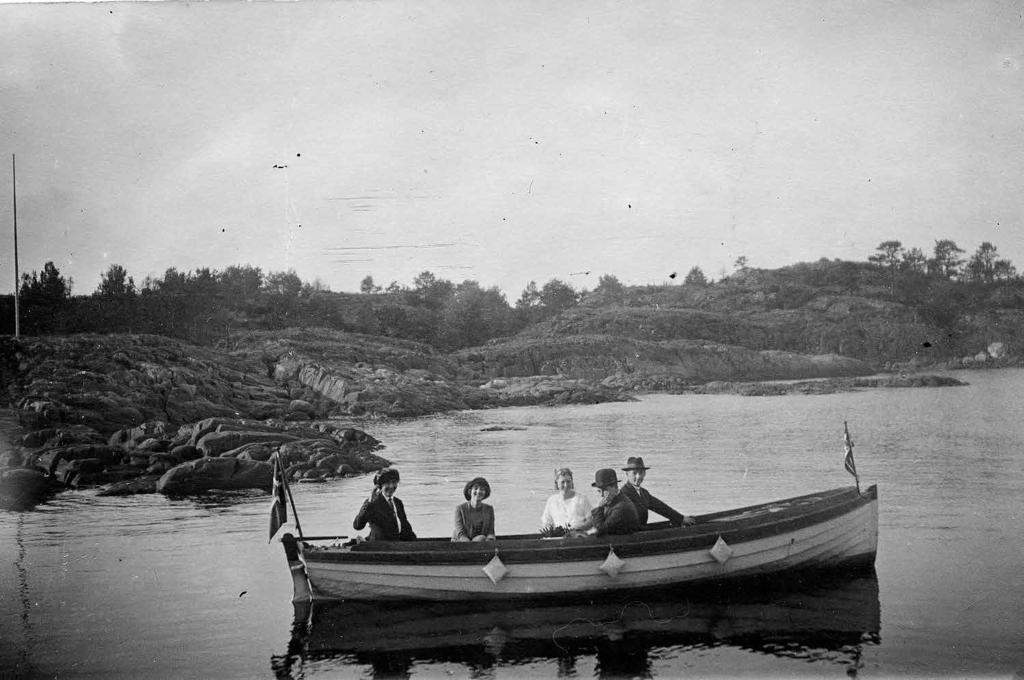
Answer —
(829, 530)
(800, 617)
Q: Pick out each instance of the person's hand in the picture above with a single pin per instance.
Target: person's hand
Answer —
(374, 494)
(689, 521)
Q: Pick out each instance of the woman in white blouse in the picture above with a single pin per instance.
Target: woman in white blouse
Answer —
(566, 509)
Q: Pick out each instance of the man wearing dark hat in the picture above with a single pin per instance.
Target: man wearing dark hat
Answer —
(643, 500)
(615, 514)
(383, 511)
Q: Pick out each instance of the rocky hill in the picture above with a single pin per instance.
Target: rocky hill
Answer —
(143, 400)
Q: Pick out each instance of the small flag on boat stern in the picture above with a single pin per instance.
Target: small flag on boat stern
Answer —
(851, 467)
(279, 504)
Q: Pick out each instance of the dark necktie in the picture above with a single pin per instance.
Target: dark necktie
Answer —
(394, 510)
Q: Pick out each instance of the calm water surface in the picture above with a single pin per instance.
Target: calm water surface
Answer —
(153, 587)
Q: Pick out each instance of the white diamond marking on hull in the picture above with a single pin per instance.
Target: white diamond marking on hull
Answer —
(612, 564)
(721, 551)
(495, 569)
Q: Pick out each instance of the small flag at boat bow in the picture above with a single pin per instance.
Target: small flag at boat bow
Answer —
(851, 467)
(279, 504)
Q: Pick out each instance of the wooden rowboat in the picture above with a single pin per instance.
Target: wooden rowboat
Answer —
(830, 530)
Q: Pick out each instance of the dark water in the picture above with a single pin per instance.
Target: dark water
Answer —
(153, 587)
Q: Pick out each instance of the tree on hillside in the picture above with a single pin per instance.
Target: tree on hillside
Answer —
(241, 283)
(367, 286)
(889, 256)
(530, 297)
(431, 291)
(45, 296)
(740, 264)
(203, 282)
(473, 315)
(48, 286)
(283, 283)
(609, 286)
(115, 282)
(527, 307)
(985, 266)
(944, 261)
(914, 261)
(173, 281)
(696, 277)
(556, 296)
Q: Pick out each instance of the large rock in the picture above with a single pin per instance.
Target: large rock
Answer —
(50, 459)
(221, 424)
(302, 406)
(22, 488)
(130, 437)
(63, 435)
(206, 474)
(303, 449)
(252, 452)
(131, 487)
(216, 443)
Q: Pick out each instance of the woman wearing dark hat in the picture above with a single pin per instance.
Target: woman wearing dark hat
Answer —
(643, 500)
(474, 519)
(383, 511)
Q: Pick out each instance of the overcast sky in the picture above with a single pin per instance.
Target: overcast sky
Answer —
(505, 142)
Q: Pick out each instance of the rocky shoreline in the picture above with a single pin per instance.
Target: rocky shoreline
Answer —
(142, 414)
(146, 414)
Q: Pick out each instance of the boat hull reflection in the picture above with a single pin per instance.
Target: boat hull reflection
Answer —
(810, 615)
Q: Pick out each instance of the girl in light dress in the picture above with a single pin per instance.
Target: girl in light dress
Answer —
(566, 510)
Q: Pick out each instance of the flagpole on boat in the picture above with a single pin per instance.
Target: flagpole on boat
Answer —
(851, 467)
(14, 197)
(288, 490)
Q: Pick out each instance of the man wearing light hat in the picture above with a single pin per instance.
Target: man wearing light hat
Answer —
(643, 500)
(615, 514)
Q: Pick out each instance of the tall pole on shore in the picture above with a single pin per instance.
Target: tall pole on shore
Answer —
(17, 275)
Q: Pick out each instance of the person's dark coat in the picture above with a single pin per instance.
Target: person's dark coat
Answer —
(619, 516)
(381, 518)
(644, 502)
